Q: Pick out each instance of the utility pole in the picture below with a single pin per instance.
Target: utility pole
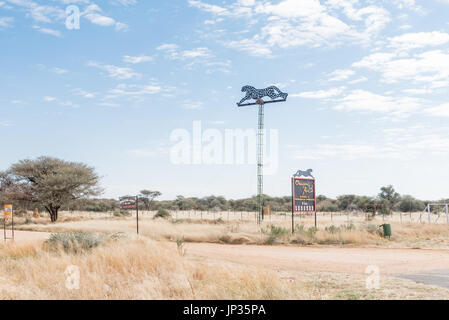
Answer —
(276, 95)
(137, 213)
(260, 135)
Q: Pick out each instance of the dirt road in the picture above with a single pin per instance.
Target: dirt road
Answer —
(324, 259)
(420, 265)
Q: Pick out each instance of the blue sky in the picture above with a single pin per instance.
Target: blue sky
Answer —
(368, 84)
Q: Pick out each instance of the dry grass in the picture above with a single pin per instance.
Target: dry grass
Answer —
(139, 268)
(130, 269)
(331, 230)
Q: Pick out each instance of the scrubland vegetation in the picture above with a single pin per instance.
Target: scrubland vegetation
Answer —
(119, 267)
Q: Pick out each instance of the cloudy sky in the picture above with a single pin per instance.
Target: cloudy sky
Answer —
(368, 84)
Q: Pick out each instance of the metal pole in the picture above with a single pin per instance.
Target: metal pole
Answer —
(260, 163)
(137, 213)
(293, 221)
(428, 213)
(447, 213)
(12, 222)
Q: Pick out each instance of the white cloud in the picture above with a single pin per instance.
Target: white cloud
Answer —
(6, 22)
(320, 94)
(291, 23)
(49, 31)
(134, 90)
(431, 67)
(95, 15)
(59, 70)
(115, 72)
(410, 41)
(85, 94)
(137, 59)
(49, 98)
(438, 111)
(209, 7)
(174, 53)
(350, 151)
(365, 101)
(168, 47)
(40, 13)
(6, 124)
(108, 104)
(340, 74)
(196, 53)
(251, 46)
(391, 143)
(193, 106)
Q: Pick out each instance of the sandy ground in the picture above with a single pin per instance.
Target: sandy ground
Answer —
(324, 259)
(308, 259)
(426, 266)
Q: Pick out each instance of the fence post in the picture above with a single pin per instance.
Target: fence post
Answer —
(447, 213)
(428, 213)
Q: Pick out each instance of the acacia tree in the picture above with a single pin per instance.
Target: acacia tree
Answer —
(50, 182)
(389, 197)
(148, 197)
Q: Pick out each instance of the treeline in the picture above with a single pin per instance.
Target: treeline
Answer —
(387, 201)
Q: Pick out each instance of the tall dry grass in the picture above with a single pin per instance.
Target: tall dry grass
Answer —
(237, 232)
(135, 268)
(140, 268)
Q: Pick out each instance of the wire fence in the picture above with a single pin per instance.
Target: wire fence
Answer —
(327, 218)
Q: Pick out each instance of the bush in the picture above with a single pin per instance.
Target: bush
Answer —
(180, 245)
(348, 227)
(75, 241)
(332, 229)
(274, 233)
(327, 205)
(312, 231)
(162, 213)
(122, 213)
(373, 229)
(218, 221)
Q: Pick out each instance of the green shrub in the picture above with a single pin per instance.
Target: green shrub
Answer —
(332, 229)
(122, 213)
(349, 227)
(299, 228)
(274, 232)
(75, 241)
(373, 229)
(312, 231)
(162, 213)
(218, 221)
(180, 244)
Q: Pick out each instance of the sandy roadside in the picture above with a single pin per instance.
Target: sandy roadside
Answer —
(323, 259)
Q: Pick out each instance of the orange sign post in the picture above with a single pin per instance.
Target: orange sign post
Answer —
(8, 216)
